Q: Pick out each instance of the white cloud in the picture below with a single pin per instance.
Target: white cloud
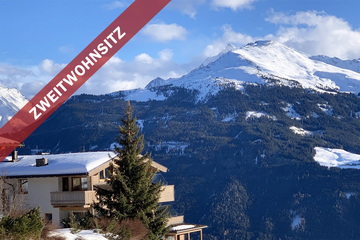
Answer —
(114, 5)
(30, 89)
(28, 80)
(317, 33)
(229, 36)
(162, 32)
(233, 4)
(117, 74)
(50, 67)
(187, 7)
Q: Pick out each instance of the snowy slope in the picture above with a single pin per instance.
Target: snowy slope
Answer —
(262, 62)
(336, 158)
(11, 101)
(353, 65)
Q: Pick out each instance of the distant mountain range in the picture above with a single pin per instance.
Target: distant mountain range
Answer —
(262, 62)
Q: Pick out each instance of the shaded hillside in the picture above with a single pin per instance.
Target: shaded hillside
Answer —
(242, 162)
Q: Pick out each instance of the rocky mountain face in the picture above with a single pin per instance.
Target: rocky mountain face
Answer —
(247, 138)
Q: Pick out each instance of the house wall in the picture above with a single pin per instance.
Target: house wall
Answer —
(39, 195)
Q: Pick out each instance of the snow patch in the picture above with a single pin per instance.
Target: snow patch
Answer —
(349, 194)
(290, 112)
(296, 221)
(140, 124)
(326, 109)
(301, 131)
(230, 117)
(93, 147)
(83, 234)
(252, 114)
(336, 158)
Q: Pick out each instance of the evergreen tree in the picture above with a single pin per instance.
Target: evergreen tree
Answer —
(132, 194)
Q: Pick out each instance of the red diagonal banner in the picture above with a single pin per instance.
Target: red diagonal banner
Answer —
(76, 73)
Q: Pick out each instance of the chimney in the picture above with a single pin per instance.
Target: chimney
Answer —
(42, 162)
(14, 156)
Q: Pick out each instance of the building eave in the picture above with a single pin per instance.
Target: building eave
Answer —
(48, 175)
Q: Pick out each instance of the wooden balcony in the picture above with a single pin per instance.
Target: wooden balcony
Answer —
(168, 194)
(77, 198)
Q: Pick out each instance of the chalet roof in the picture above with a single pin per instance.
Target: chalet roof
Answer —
(185, 228)
(59, 164)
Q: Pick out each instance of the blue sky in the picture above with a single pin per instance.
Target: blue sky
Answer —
(38, 38)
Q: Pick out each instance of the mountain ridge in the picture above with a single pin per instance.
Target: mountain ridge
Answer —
(259, 62)
(11, 101)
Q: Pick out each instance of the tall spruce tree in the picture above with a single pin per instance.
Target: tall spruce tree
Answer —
(132, 194)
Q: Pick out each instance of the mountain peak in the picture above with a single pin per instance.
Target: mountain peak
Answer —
(229, 47)
(261, 43)
(155, 83)
(11, 101)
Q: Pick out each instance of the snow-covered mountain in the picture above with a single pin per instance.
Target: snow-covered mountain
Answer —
(353, 65)
(262, 62)
(11, 101)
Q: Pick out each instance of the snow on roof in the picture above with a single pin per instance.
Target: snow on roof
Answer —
(336, 158)
(181, 227)
(59, 164)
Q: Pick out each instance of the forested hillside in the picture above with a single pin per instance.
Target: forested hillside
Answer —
(242, 161)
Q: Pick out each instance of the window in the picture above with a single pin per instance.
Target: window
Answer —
(79, 184)
(83, 183)
(23, 186)
(48, 217)
(105, 174)
(65, 184)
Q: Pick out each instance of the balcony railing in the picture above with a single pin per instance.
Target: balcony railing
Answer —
(77, 198)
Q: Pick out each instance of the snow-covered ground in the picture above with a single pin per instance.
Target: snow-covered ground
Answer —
(84, 234)
(326, 109)
(230, 117)
(296, 221)
(336, 158)
(301, 131)
(290, 112)
(254, 114)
